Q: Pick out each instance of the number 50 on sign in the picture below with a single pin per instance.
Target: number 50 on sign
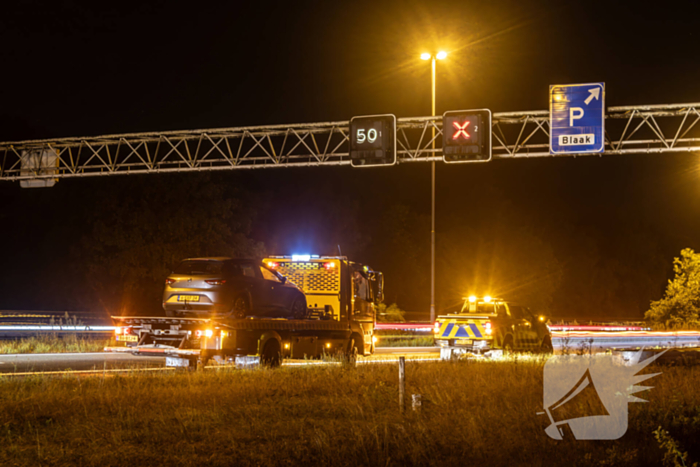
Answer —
(373, 140)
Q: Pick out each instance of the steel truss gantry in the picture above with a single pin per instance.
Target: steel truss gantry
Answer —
(644, 129)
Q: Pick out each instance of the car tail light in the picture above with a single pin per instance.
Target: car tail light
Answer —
(436, 328)
(329, 266)
(273, 265)
(169, 281)
(487, 327)
(198, 333)
(216, 282)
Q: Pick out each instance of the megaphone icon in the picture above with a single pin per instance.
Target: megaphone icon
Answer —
(581, 401)
(587, 410)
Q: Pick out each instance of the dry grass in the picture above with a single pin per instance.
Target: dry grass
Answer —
(399, 338)
(474, 413)
(417, 341)
(54, 344)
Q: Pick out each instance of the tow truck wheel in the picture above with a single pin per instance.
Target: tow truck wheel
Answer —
(271, 354)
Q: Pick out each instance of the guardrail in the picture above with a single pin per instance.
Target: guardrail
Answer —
(584, 340)
(21, 323)
(15, 324)
(14, 332)
(559, 327)
(423, 327)
(574, 337)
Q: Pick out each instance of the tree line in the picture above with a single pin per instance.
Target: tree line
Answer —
(124, 241)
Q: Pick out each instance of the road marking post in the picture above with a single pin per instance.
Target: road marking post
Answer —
(402, 382)
(417, 402)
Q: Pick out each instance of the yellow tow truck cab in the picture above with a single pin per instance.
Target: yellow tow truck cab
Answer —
(487, 324)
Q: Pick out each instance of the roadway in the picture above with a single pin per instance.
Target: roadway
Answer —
(23, 364)
(38, 363)
(108, 362)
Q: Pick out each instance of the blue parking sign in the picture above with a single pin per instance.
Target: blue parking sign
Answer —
(577, 118)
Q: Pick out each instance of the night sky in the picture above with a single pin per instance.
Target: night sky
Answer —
(70, 69)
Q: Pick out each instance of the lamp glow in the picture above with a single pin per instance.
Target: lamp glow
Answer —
(425, 56)
(440, 55)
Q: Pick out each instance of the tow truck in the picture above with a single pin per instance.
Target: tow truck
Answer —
(484, 325)
(339, 322)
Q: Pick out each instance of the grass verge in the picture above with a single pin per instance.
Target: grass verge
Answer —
(399, 338)
(418, 341)
(54, 344)
(474, 413)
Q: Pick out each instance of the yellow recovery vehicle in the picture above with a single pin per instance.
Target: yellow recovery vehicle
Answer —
(338, 322)
(485, 325)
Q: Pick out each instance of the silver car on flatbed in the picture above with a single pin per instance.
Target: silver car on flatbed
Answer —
(227, 287)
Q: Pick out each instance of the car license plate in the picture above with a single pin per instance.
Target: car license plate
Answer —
(127, 338)
(188, 298)
(177, 362)
(464, 341)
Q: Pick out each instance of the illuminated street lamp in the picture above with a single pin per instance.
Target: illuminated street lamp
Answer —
(433, 59)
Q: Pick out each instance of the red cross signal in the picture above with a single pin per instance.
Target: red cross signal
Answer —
(461, 130)
(466, 136)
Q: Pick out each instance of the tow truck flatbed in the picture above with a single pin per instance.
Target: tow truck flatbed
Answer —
(339, 321)
(236, 324)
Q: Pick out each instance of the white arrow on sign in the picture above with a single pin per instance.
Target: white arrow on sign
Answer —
(595, 92)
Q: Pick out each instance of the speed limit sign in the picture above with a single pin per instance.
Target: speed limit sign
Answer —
(373, 140)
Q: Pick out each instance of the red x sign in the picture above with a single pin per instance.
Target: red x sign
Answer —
(461, 130)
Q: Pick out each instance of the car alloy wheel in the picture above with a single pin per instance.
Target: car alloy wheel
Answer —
(240, 307)
(299, 309)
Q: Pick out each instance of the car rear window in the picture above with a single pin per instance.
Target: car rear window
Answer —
(239, 269)
(194, 268)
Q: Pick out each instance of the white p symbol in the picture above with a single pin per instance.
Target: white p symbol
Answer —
(575, 113)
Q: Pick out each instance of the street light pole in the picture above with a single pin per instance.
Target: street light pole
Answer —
(433, 59)
(432, 211)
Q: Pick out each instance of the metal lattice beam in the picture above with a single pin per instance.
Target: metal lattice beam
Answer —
(648, 129)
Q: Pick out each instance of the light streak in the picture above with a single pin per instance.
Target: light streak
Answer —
(86, 372)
